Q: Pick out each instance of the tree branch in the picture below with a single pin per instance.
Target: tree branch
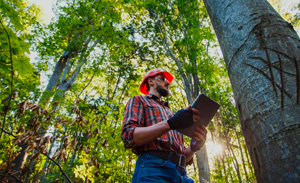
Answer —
(8, 133)
(170, 53)
(71, 81)
(12, 79)
(65, 72)
(85, 87)
(62, 171)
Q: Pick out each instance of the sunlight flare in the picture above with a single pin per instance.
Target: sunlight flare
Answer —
(213, 149)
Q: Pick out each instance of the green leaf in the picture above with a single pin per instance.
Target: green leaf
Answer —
(9, 11)
(25, 46)
(23, 66)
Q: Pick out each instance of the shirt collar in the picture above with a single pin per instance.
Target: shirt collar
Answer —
(151, 96)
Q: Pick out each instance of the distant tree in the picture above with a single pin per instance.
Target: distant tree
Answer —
(180, 33)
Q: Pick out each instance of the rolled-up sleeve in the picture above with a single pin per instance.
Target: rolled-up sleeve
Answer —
(133, 117)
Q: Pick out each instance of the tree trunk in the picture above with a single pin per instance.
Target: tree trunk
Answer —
(218, 156)
(262, 55)
(202, 163)
(242, 155)
(235, 162)
(248, 160)
(19, 160)
(191, 85)
(224, 166)
(202, 160)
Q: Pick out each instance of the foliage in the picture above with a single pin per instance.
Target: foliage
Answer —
(93, 55)
(290, 14)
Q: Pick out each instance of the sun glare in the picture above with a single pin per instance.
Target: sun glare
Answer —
(213, 149)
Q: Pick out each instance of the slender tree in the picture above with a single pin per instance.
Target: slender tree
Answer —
(181, 32)
(242, 154)
(261, 52)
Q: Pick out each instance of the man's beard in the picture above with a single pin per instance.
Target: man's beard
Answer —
(162, 91)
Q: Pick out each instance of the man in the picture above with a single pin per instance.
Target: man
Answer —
(149, 129)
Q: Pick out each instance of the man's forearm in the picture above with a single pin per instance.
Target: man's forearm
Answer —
(188, 153)
(144, 135)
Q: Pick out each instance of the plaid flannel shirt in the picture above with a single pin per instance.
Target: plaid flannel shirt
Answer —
(143, 111)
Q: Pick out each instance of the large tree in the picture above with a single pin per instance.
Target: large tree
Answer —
(261, 52)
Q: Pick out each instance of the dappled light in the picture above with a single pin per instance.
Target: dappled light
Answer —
(69, 68)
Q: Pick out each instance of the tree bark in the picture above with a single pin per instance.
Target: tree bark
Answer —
(262, 55)
(19, 160)
(202, 163)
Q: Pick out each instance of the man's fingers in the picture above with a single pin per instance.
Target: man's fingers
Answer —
(202, 127)
(196, 118)
(196, 112)
(200, 133)
(200, 130)
(201, 138)
(188, 107)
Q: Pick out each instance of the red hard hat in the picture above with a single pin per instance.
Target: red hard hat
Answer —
(151, 73)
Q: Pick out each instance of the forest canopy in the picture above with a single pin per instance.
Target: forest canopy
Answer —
(65, 84)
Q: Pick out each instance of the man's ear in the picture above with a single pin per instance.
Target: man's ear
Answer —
(150, 82)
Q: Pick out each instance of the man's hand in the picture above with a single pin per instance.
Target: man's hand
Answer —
(196, 114)
(184, 118)
(199, 138)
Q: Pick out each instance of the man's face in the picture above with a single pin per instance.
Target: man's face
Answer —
(162, 85)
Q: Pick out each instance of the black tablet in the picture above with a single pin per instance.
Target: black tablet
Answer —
(207, 108)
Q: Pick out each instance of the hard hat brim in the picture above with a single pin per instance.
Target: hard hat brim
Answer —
(143, 86)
